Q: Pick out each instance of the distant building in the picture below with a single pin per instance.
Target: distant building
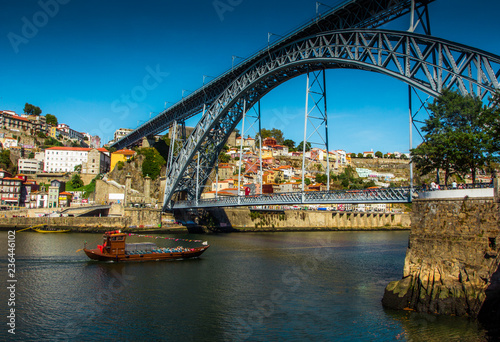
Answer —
(65, 199)
(9, 120)
(97, 162)
(53, 197)
(70, 133)
(41, 198)
(8, 142)
(120, 155)
(10, 191)
(121, 133)
(95, 142)
(29, 166)
(55, 188)
(269, 142)
(64, 159)
(54, 132)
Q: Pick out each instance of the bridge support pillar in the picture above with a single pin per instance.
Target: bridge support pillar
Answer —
(316, 117)
(452, 258)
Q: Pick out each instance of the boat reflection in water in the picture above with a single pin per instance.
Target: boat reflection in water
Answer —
(114, 248)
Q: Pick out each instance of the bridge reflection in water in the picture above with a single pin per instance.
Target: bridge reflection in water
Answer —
(385, 195)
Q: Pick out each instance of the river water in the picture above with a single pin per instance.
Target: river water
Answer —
(297, 286)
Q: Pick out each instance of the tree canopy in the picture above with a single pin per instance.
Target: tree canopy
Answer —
(300, 147)
(461, 136)
(152, 163)
(31, 109)
(289, 143)
(51, 119)
(76, 181)
(272, 133)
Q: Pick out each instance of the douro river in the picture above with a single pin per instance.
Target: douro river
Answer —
(297, 286)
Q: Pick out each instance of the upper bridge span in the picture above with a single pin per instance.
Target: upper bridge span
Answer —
(345, 15)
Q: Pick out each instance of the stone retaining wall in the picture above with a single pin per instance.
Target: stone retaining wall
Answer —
(452, 254)
(243, 218)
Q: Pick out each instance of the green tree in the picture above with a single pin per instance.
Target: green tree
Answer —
(76, 181)
(353, 155)
(459, 135)
(49, 141)
(32, 110)
(321, 178)
(224, 158)
(78, 168)
(360, 155)
(289, 143)
(5, 162)
(300, 147)
(51, 119)
(379, 154)
(152, 163)
(272, 133)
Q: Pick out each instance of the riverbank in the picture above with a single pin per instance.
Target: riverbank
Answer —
(88, 224)
(221, 220)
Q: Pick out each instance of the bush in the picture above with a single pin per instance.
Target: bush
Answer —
(152, 163)
(76, 181)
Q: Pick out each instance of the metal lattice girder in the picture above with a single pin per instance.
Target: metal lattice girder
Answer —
(388, 195)
(348, 14)
(406, 56)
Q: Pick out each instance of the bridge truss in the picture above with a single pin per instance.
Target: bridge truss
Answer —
(389, 195)
(426, 63)
(345, 15)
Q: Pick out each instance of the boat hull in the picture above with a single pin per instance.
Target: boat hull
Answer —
(96, 254)
(51, 231)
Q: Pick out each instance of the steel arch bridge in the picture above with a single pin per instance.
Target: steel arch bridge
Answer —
(424, 62)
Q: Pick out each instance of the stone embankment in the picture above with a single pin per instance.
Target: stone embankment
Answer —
(244, 219)
(129, 219)
(453, 252)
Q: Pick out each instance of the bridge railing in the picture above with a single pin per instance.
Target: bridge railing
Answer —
(386, 195)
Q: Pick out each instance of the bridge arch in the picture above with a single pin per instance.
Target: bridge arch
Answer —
(426, 63)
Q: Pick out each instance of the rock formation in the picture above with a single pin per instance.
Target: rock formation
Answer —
(453, 251)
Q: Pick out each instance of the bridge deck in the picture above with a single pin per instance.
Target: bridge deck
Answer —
(389, 195)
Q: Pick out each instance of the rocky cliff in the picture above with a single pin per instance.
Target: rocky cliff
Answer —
(453, 253)
(134, 168)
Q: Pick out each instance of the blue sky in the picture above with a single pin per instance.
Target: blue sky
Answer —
(102, 65)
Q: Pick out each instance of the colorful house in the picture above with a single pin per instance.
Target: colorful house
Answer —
(121, 156)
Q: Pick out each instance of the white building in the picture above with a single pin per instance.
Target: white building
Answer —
(341, 156)
(70, 133)
(121, 132)
(64, 159)
(40, 156)
(29, 166)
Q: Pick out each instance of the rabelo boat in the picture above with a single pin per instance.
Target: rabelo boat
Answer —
(114, 248)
